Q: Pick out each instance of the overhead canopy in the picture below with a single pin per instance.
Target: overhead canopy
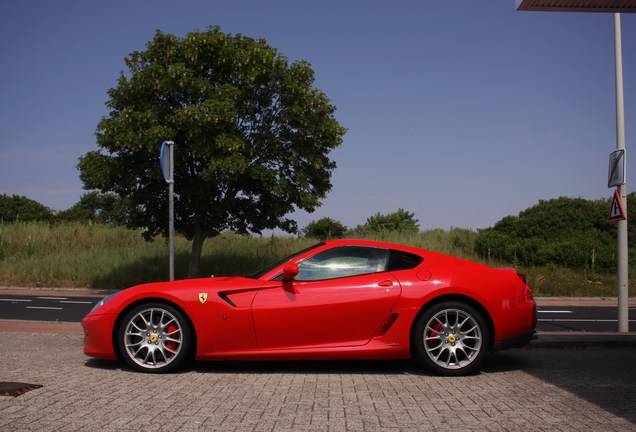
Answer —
(577, 5)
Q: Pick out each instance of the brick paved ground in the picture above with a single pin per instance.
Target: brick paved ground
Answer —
(522, 390)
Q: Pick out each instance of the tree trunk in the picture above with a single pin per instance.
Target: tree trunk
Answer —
(197, 247)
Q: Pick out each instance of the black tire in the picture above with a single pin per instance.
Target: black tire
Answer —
(450, 338)
(154, 338)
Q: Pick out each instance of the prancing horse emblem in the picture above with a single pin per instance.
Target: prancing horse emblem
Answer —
(203, 297)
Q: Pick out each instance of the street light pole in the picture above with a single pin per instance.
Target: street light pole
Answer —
(615, 7)
(622, 246)
(171, 210)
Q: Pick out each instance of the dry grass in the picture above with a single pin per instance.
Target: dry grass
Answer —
(98, 256)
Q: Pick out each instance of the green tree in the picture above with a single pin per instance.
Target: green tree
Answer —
(401, 221)
(325, 228)
(571, 232)
(20, 208)
(105, 208)
(252, 137)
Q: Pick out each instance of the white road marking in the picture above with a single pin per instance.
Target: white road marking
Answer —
(14, 300)
(52, 298)
(45, 308)
(555, 311)
(76, 302)
(581, 320)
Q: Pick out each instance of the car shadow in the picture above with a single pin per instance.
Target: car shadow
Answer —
(95, 363)
(355, 367)
(395, 367)
(503, 361)
(494, 363)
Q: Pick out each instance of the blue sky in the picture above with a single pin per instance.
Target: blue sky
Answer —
(462, 112)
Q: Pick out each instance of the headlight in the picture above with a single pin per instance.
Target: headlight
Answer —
(102, 301)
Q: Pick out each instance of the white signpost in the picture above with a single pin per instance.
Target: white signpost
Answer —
(166, 159)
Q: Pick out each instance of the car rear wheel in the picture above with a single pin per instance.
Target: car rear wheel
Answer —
(450, 338)
(155, 338)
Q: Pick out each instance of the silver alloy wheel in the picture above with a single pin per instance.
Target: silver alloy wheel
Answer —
(153, 338)
(452, 338)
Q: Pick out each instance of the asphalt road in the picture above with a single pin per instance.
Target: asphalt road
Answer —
(582, 318)
(45, 308)
(73, 309)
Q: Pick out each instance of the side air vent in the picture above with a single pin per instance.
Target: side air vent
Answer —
(226, 299)
(387, 324)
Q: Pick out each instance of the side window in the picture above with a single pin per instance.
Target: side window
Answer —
(343, 262)
(399, 260)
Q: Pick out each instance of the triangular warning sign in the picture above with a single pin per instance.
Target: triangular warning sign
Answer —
(617, 212)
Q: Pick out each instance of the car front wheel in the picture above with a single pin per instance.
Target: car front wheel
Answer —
(154, 338)
(450, 338)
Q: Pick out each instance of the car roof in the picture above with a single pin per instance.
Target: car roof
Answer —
(373, 243)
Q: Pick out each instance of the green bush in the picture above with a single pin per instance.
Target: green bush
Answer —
(399, 221)
(325, 228)
(107, 208)
(568, 232)
(20, 208)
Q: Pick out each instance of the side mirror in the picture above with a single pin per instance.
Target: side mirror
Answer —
(290, 270)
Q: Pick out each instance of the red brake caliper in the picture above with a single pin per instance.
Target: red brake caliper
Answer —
(435, 331)
(171, 345)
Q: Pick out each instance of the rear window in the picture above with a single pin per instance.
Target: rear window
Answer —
(399, 260)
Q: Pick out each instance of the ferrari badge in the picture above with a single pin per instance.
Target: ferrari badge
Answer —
(203, 297)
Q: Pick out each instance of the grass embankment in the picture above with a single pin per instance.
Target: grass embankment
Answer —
(98, 256)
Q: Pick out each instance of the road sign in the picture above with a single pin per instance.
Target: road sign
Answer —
(617, 212)
(165, 160)
(616, 173)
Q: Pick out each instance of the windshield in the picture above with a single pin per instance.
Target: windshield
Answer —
(270, 267)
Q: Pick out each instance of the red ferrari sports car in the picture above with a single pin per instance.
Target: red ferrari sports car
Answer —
(341, 299)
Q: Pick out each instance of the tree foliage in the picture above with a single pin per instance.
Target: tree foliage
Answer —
(20, 208)
(325, 228)
(252, 137)
(108, 209)
(399, 221)
(571, 232)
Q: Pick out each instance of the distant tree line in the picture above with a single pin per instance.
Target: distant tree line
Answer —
(20, 208)
(108, 209)
(399, 221)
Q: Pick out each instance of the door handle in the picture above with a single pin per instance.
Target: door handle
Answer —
(386, 283)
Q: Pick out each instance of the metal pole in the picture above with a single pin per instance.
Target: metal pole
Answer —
(171, 209)
(622, 252)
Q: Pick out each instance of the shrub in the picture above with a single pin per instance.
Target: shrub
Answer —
(399, 221)
(569, 232)
(20, 208)
(325, 228)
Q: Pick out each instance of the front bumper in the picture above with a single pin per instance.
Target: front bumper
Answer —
(98, 336)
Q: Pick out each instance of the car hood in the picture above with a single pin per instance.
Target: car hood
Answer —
(209, 284)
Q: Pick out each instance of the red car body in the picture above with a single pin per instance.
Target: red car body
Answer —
(371, 315)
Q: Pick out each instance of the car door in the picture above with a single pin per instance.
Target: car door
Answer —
(339, 298)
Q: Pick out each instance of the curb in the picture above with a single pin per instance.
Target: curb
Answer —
(68, 292)
(555, 340)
